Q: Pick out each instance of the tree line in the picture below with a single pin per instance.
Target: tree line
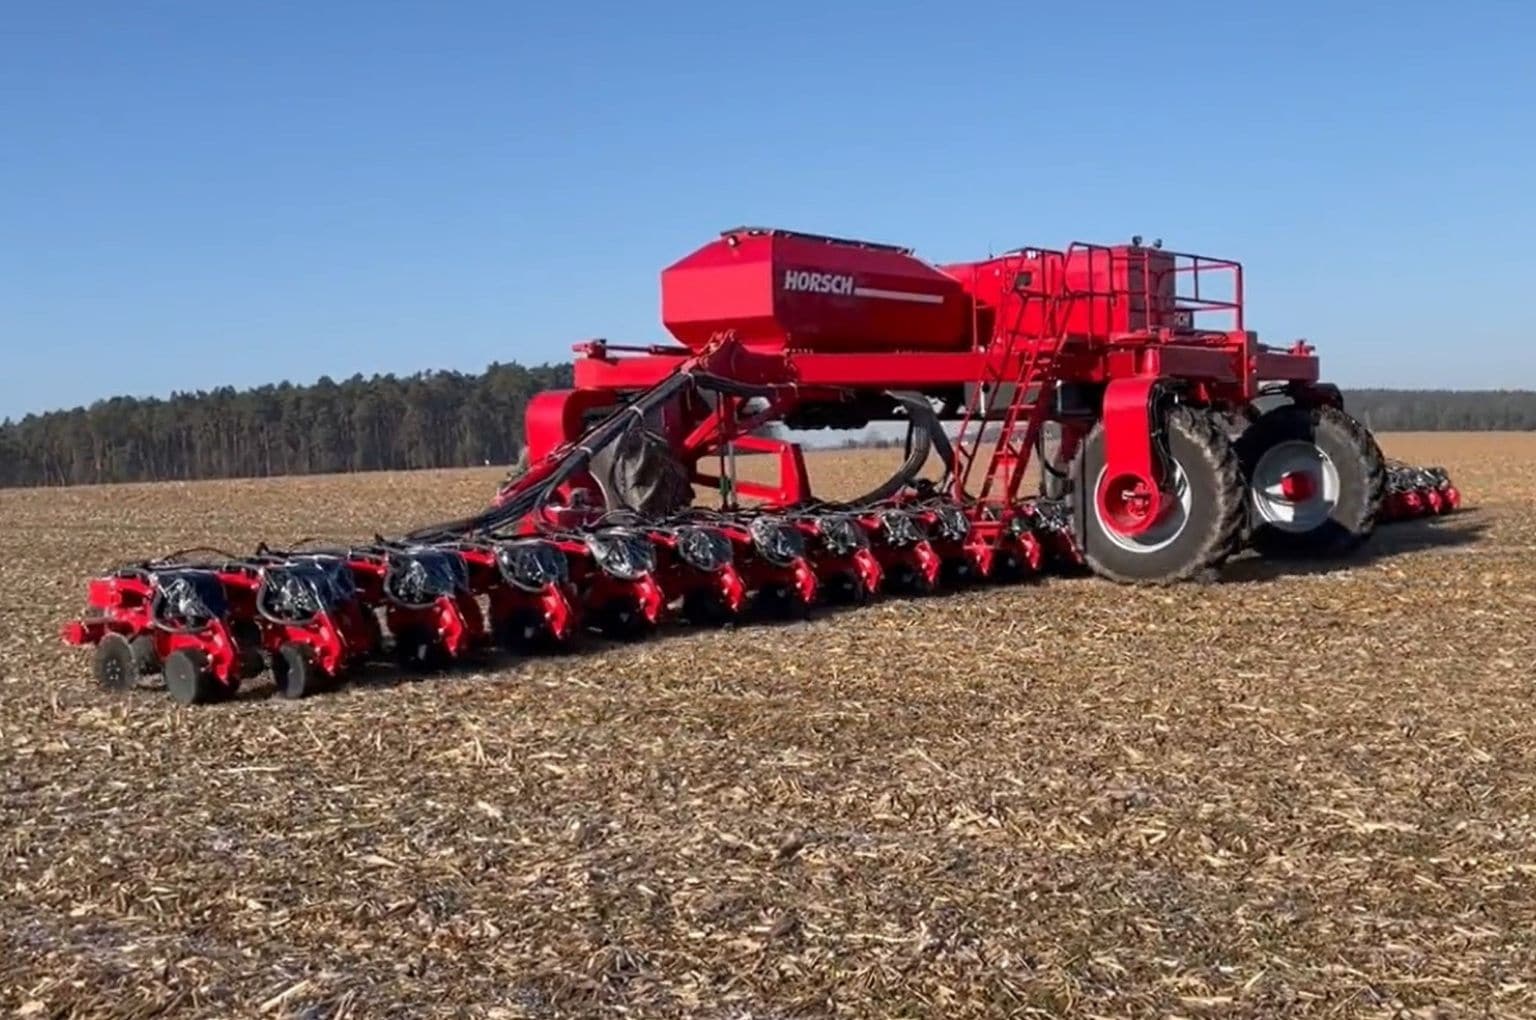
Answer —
(440, 419)
(382, 422)
(1443, 410)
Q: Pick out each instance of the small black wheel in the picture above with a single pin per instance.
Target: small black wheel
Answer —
(780, 602)
(706, 609)
(847, 590)
(518, 632)
(418, 649)
(621, 621)
(250, 663)
(1199, 524)
(295, 672)
(923, 585)
(958, 572)
(909, 580)
(1315, 478)
(188, 679)
(145, 655)
(114, 664)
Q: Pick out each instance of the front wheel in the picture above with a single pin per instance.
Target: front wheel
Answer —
(1199, 523)
(1315, 481)
(114, 663)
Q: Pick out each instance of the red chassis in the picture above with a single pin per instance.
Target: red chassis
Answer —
(1090, 335)
(1135, 361)
(1232, 368)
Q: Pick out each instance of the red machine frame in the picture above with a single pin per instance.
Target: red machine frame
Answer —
(1113, 345)
(1108, 321)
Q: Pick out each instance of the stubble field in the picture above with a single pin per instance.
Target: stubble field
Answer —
(1286, 794)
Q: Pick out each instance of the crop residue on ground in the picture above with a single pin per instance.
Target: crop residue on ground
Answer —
(1307, 793)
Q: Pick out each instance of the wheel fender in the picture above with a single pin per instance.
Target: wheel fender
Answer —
(1130, 462)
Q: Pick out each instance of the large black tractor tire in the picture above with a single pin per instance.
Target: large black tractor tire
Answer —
(1349, 481)
(188, 679)
(1199, 528)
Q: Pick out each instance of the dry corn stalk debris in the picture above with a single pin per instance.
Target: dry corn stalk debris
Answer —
(1287, 794)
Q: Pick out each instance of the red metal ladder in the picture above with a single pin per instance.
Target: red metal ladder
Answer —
(1011, 452)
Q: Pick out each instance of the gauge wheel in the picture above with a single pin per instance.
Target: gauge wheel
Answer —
(114, 664)
(621, 621)
(417, 648)
(188, 679)
(295, 672)
(520, 632)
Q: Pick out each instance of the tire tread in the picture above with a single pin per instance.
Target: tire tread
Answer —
(1358, 521)
(1224, 536)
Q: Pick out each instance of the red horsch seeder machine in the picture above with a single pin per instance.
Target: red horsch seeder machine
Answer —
(1165, 442)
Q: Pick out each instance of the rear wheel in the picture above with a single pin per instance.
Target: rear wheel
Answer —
(1199, 523)
(296, 673)
(1315, 481)
(189, 680)
(418, 648)
(520, 632)
(706, 609)
(145, 655)
(622, 621)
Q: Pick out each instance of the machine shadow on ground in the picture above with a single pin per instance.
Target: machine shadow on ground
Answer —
(1398, 539)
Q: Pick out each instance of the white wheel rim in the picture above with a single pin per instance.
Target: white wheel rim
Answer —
(1267, 486)
(1172, 519)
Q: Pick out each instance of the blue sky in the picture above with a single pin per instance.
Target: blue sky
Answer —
(196, 194)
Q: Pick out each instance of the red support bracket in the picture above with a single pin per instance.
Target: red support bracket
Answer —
(1129, 494)
(794, 484)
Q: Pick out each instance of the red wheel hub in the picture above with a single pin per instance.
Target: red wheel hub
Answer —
(1128, 504)
(1298, 486)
